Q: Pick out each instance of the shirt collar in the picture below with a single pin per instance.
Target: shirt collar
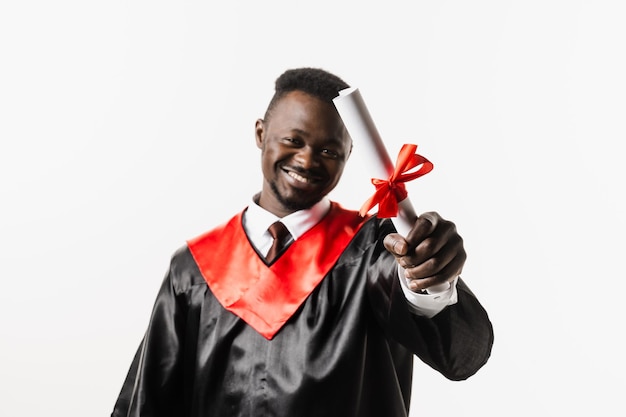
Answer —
(257, 219)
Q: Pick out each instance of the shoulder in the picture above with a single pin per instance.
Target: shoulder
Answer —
(183, 271)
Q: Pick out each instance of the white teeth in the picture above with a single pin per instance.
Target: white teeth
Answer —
(299, 177)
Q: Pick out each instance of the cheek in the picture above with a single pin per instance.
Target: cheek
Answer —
(265, 162)
(335, 170)
(269, 158)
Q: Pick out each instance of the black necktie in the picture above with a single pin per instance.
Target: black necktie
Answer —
(280, 234)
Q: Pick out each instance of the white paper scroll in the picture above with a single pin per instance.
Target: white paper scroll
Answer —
(362, 129)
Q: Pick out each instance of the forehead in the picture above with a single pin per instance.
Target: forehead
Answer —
(301, 111)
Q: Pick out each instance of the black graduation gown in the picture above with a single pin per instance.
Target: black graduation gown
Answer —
(347, 351)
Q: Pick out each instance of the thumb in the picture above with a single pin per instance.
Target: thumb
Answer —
(395, 244)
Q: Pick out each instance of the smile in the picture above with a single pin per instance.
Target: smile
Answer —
(302, 178)
(299, 177)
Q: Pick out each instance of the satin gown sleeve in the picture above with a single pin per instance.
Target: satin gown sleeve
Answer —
(456, 342)
(155, 384)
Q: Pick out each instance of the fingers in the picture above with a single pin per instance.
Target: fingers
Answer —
(395, 244)
(427, 238)
(433, 257)
(424, 226)
(432, 252)
(445, 266)
(399, 246)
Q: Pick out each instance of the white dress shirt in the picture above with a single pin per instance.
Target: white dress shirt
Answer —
(256, 221)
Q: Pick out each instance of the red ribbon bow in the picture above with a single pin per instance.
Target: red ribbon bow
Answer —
(390, 192)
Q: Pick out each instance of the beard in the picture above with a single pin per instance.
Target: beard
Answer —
(301, 201)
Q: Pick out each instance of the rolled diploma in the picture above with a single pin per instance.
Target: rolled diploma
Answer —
(362, 129)
(356, 117)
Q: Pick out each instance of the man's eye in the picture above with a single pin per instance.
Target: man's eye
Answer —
(330, 153)
(292, 141)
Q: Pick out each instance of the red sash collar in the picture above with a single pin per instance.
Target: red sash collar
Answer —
(264, 296)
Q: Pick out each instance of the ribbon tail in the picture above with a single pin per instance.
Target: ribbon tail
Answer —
(367, 206)
(372, 201)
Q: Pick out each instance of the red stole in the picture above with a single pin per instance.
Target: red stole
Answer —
(264, 296)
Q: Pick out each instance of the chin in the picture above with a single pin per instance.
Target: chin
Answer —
(297, 200)
(295, 204)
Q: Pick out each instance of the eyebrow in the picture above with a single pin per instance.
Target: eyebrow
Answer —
(333, 140)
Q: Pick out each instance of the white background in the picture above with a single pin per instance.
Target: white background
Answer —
(126, 127)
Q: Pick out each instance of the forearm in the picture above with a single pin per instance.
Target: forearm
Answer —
(456, 341)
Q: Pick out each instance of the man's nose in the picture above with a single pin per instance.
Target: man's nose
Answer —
(307, 158)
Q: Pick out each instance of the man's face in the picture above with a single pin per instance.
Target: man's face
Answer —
(304, 147)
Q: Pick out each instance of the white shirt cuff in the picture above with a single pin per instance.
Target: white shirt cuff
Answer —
(428, 305)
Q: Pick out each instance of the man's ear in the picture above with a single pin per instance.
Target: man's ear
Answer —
(258, 132)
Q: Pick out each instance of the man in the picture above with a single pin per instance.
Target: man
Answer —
(329, 325)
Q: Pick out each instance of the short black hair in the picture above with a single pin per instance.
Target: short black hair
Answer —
(314, 81)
